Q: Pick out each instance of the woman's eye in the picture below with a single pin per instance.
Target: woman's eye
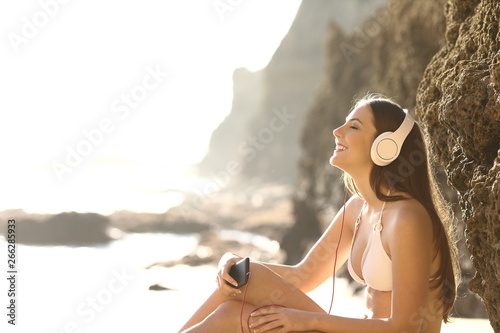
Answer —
(354, 127)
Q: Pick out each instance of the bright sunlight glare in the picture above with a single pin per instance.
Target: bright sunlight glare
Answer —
(120, 84)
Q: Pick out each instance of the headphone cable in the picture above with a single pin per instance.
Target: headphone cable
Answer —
(336, 252)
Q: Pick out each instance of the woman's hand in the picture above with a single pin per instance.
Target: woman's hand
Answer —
(225, 264)
(289, 320)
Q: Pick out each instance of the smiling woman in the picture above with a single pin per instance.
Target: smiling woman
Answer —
(396, 241)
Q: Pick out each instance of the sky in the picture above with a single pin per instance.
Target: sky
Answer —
(116, 92)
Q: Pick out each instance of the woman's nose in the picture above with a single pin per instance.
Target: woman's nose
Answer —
(336, 132)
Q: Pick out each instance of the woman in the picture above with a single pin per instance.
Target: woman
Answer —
(394, 239)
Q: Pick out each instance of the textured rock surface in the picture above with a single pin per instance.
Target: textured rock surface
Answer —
(459, 102)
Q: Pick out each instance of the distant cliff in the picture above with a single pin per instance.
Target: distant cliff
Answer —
(230, 138)
(459, 103)
(287, 86)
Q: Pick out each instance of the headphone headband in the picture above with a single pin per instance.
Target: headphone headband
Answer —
(404, 129)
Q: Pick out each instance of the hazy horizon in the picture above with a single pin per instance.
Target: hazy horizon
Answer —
(102, 99)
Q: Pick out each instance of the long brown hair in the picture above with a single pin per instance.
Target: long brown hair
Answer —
(412, 173)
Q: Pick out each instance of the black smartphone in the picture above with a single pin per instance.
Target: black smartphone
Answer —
(239, 272)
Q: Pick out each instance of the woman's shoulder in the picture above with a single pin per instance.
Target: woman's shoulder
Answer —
(410, 208)
(353, 208)
(407, 214)
(407, 224)
(356, 200)
(354, 205)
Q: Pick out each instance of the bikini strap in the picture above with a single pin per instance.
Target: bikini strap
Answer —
(378, 226)
(358, 220)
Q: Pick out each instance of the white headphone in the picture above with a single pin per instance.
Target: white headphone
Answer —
(387, 145)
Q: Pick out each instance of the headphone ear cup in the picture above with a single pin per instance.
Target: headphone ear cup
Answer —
(385, 149)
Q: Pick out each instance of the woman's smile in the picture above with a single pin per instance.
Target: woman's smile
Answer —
(340, 147)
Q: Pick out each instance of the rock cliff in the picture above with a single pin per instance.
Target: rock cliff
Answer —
(231, 134)
(459, 103)
(288, 84)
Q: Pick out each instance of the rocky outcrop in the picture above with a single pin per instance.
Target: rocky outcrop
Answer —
(459, 103)
(262, 209)
(174, 221)
(63, 229)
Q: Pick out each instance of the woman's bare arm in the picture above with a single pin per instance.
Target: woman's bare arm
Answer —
(317, 265)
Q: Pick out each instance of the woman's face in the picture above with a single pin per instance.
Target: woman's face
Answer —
(354, 140)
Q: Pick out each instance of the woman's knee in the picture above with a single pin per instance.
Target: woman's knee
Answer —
(228, 308)
(227, 316)
(267, 287)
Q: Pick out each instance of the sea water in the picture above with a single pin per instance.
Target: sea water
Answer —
(64, 289)
(102, 289)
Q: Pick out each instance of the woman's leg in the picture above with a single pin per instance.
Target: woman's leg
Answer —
(265, 287)
(225, 319)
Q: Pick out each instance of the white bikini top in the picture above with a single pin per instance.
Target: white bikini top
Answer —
(376, 266)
